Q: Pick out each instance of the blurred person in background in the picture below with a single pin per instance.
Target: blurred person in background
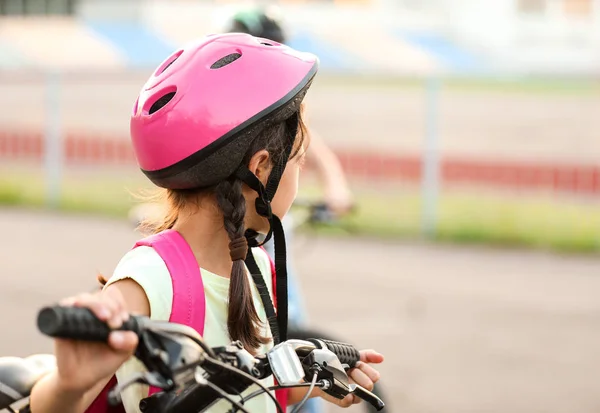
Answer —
(260, 22)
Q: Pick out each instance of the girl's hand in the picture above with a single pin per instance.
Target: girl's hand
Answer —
(82, 364)
(363, 374)
(339, 199)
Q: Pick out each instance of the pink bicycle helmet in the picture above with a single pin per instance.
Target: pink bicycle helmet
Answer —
(197, 115)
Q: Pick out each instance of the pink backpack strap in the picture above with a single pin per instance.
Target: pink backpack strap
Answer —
(189, 301)
(100, 404)
(282, 394)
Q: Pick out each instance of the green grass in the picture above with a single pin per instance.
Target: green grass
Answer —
(491, 219)
(106, 196)
(578, 86)
(473, 217)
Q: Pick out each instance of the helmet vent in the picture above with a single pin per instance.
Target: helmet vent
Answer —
(267, 44)
(225, 60)
(161, 102)
(169, 64)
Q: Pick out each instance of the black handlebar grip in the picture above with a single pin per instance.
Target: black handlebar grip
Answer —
(78, 323)
(345, 352)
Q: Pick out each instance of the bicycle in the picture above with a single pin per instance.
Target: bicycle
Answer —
(191, 375)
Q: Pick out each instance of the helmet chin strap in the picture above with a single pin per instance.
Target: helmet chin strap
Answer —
(278, 322)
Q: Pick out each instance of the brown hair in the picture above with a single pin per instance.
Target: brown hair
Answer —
(242, 319)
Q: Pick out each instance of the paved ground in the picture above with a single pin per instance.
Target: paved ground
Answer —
(463, 329)
(390, 118)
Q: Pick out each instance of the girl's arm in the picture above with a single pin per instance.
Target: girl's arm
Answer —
(84, 368)
(296, 395)
(337, 191)
(49, 395)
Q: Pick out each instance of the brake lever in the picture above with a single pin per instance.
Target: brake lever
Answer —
(328, 368)
(367, 396)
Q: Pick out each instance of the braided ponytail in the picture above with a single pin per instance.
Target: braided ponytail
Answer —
(242, 319)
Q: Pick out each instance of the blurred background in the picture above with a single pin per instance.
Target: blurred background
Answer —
(469, 132)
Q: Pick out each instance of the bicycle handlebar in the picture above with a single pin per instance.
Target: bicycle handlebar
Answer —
(78, 323)
(81, 324)
(165, 350)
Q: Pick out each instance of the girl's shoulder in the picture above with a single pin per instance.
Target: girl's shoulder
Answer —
(145, 266)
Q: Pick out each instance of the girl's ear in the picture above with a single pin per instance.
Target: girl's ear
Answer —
(260, 165)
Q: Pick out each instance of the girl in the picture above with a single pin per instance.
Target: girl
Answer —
(219, 127)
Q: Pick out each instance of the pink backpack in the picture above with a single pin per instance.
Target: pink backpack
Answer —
(189, 307)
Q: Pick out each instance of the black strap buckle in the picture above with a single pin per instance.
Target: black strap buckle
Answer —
(263, 207)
